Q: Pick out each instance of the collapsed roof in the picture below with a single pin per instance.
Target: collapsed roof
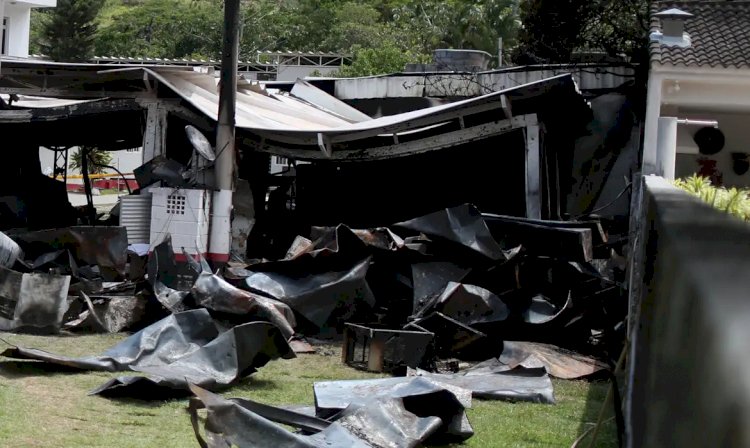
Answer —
(306, 123)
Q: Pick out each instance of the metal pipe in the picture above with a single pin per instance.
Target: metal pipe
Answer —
(689, 122)
(90, 209)
(224, 166)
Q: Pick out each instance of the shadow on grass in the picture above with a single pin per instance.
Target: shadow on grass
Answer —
(607, 433)
(250, 383)
(20, 369)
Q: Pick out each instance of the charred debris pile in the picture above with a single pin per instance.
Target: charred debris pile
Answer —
(440, 301)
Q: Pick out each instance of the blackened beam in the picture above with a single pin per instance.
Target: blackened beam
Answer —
(505, 101)
(74, 94)
(178, 109)
(597, 232)
(424, 145)
(66, 112)
(70, 83)
(15, 116)
(540, 238)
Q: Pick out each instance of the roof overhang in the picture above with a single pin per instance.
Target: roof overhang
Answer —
(308, 123)
(109, 124)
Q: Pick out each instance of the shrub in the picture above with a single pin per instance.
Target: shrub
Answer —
(732, 200)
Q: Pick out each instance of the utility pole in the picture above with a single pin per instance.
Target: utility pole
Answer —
(224, 167)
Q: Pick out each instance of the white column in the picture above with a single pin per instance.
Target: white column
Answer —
(651, 128)
(2, 14)
(17, 28)
(219, 240)
(666, 147)
(224, 165)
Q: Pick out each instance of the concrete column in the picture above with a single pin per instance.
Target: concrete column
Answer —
(666, 147)
(2, 14)
(221, 208)
(651, 127)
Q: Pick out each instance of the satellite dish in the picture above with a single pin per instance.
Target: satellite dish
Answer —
(709, 140)
(200, 143)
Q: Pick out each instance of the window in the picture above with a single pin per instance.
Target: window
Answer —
(4, 37)
(278, 160)
(176, 204)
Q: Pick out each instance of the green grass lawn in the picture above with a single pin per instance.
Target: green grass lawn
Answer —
(41, 407)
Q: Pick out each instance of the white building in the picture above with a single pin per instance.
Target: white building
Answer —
(16, 22)
(698, 113)
(125, 161)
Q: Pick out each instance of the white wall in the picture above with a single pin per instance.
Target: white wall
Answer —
(37, 3)
(698, 93)
(294, 72)
(736, 129)
(18, 13)
(19, 16)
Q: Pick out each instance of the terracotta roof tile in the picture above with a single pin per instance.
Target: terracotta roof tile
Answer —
(719, 34)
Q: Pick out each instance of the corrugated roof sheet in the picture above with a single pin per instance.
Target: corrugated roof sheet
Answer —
(299, 122)
(719, 34)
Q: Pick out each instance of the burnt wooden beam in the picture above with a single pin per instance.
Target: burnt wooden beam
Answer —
(597, 232)
(67, 112)
(541, 239)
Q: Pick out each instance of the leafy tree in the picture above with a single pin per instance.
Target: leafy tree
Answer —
(384, 59)
(553, 29)
(619, 27)
(458, 24)
(359, 28)
(301, 25)
(164, 29)
(356, 25)
(96, 159)
(69, 30)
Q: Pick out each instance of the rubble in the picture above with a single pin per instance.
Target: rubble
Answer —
(417, 412)
(180, 349)
(10, 251)
(557, 362)
(109, 313)
(32, 302)
(521, 384)
(384, 350)
(409, 300)
(215, 293)
(315, 293)
(452, 338)
(462, 225)
(452, 284)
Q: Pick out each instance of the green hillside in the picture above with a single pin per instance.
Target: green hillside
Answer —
(382, 35)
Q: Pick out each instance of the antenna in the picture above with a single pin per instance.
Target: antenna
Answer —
(203, 153)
